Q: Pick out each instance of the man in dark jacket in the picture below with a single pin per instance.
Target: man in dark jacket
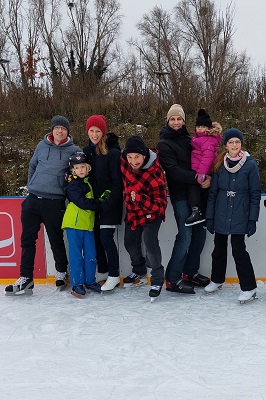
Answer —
(175, 157)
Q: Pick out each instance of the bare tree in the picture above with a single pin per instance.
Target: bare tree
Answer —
(210, 33)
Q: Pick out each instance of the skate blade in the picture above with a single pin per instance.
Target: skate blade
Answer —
(61, 288)
(110, 290)
(153, 299)
(137, 283)
(254, 297)
(26, 292)
(196, 222)
(77, 295)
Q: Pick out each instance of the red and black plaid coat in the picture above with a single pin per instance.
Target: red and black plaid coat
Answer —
(149, 186)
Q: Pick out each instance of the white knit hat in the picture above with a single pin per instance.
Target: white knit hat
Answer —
(176, 109)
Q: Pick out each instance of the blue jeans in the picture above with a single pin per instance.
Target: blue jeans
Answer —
(189, 243)
(82, 256)
(153, 257)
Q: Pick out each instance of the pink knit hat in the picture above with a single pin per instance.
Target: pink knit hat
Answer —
(98, 121)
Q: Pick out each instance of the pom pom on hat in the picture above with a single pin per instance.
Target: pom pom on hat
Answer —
(203, 119)
(59, 120)
(98, 121)
(233, 133)
(135, 144)
(176, 109)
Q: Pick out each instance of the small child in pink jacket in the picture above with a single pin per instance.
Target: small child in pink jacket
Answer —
(205, 143)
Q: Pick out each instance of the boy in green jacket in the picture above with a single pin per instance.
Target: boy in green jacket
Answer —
(78, 222)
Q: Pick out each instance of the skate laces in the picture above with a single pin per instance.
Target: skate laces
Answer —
(133, 275)
(60, 276)
(155, 287)
(20, 281)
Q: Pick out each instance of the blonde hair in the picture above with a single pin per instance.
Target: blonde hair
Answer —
(101, 147)
(88, 169)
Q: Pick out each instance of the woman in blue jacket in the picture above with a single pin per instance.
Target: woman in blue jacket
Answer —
(233, 209)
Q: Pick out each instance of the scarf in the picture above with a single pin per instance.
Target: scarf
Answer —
(241, 158)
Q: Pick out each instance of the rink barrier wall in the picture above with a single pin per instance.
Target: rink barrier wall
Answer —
(44, 266)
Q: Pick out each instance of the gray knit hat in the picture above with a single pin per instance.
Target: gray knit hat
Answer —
(59, 120)
(176, 109)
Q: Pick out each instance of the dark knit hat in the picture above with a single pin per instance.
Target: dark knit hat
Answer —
(176, 109)
(77, 158)
(233, 133)
(203, 119)
(135, 144)
(59, 120)
(98, 121)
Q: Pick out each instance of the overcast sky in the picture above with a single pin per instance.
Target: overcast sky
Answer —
(249, 22)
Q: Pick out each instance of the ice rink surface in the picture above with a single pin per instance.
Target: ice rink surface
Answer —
(119, 346)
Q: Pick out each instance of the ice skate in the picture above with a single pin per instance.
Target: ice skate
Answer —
(180, 287)
(155, 292)
(78, 291)
(247, 296)
(61, 280)
(95, 287)
(111, 283)
(22, 286)
(197, 279)
(213, 287)
(196, 217)
(134, 280)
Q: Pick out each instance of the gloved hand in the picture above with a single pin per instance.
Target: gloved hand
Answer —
(251, 228)
(200, 178)
(105, 196)
(210, 225)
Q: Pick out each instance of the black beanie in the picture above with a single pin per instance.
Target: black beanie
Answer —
(203, 119)
(59, 120)
(135, 144)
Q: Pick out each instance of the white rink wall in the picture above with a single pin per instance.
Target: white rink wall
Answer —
(255, 246)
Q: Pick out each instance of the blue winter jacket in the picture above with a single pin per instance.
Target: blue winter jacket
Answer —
(234, 198)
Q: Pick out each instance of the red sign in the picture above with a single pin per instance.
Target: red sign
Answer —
(10, 232)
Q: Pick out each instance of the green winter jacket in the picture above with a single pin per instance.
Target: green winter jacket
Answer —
(76, 217)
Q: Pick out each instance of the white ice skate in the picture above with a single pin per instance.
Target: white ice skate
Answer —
(247, 296)
(213, 287)
(111, 283)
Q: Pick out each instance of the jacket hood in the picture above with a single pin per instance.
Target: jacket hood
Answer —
(112, 141)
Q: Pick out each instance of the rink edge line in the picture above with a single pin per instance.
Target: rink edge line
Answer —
(51, 280)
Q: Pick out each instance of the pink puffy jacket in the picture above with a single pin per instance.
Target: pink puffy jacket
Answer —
(204, 152)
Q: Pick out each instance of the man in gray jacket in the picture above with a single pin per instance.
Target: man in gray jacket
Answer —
(45, 204)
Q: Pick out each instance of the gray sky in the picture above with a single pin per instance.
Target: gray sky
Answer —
(249, 22)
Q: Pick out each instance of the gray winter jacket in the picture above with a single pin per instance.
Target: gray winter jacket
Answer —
(47, 168)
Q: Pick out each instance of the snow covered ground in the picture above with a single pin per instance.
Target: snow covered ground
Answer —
(119, 346)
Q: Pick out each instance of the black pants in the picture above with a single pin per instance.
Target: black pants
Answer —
(153, 259)
(36, 211)
(243, 263)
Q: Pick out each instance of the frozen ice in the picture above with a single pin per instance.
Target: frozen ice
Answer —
(119, 346)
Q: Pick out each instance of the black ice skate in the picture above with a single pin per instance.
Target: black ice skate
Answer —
(196, 217)
(154, 292)
(181, 287)
(134, 280)
(61, 280)
(22, 286)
